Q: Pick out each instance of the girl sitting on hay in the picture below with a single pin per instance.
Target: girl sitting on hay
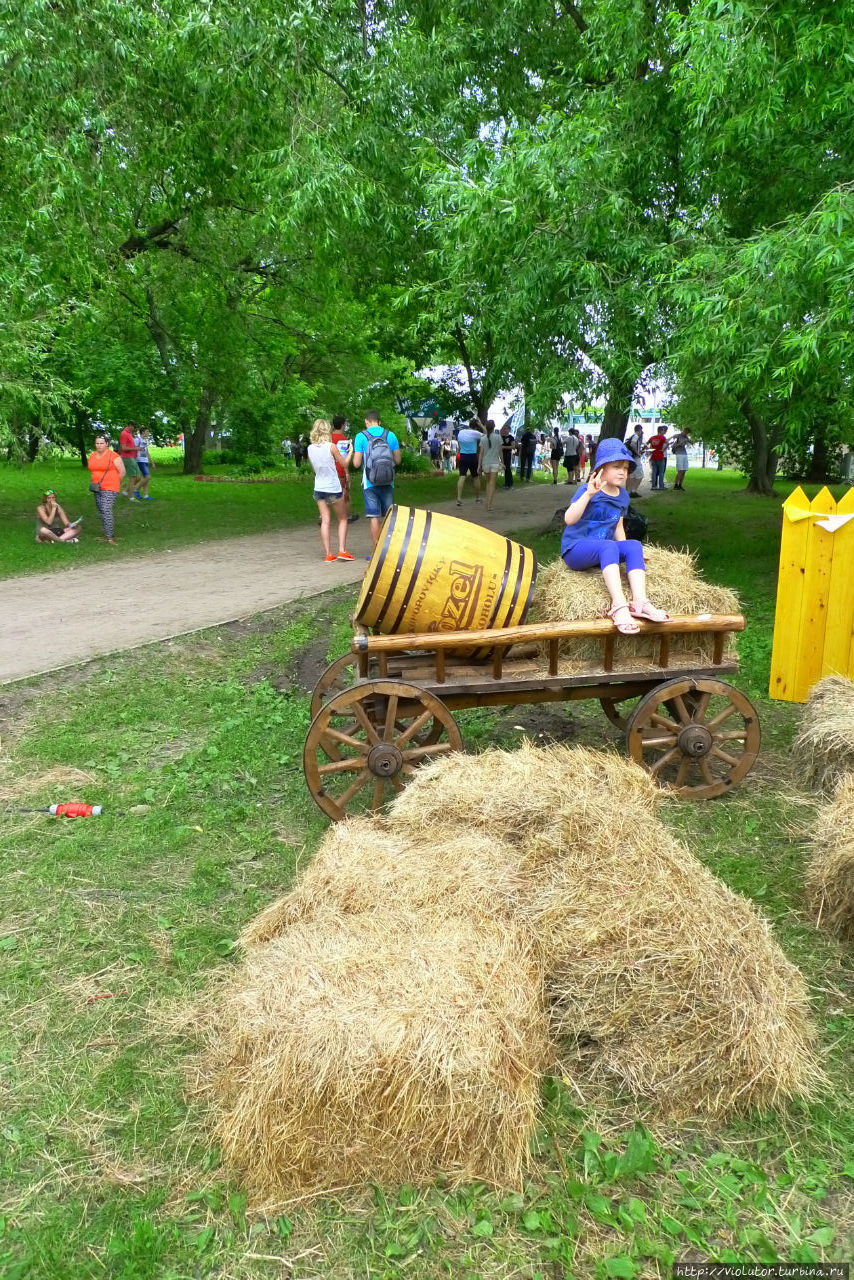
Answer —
(595, 536)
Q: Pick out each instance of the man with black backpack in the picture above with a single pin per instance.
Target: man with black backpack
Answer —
(379, 449)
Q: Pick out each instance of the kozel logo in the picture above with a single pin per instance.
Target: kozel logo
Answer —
(459, 607)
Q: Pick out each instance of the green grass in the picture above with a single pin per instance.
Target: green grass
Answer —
(105, 1170)
(182, 512)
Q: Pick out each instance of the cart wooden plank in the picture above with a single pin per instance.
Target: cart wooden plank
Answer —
(430, 641)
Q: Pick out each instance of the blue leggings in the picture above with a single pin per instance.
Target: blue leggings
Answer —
(589, 553)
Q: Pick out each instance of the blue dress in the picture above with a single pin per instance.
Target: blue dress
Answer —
(603, 514)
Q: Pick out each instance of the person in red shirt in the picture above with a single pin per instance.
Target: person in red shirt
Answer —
(656, 447)
(127, 453)
(344, 452)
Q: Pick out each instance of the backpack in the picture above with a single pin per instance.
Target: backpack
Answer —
(635, 524)
(379, 464)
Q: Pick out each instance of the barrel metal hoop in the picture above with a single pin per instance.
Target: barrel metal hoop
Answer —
(398, 569)
(415, 572)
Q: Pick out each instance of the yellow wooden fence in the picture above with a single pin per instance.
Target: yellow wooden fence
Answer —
(814, 621)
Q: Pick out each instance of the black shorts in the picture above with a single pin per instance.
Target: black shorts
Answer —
(468, 464)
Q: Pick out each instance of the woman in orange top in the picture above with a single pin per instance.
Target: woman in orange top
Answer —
(107, 471)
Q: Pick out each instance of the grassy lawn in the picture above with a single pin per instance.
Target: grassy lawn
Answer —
(182, 511)
(112, 926)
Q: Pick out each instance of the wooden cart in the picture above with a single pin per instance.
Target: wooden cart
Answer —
(387, 706)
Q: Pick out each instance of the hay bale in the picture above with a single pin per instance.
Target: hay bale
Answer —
(830, 873)
(660, 981)
(667, 985)
(825, 741)
(514, 794)
(386, 1048)
(673, 584)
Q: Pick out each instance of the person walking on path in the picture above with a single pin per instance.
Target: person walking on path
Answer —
(143, 461)
(52, 524)
(570, 456)
(128, 453)
(556, 453)
(490, 461)
(595, 537)
(634, 444)
(344, 446)
(527, 449)
(107, 471)
(469, 439)
(657, 450)
(680, 455)
(508, 448)
(328, 489)
(379, 450)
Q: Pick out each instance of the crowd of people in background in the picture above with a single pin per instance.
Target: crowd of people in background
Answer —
(477, 451)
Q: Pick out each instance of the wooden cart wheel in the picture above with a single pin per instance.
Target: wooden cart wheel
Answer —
(340, 675)
(697, 737)
(337, 676)
(367, 741)
(618, 710)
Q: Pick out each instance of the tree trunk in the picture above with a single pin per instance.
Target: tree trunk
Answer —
(763, 465)
(618, 406)
(194, 446)
(33, 438)
(81, 422)
(817, 470)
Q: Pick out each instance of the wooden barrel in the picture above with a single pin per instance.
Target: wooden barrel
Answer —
(432, 572)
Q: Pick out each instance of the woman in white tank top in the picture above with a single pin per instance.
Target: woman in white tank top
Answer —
(327, 487)
(490, 460)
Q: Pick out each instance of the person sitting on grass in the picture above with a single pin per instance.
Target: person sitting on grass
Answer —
(52, 524)
(595, 536)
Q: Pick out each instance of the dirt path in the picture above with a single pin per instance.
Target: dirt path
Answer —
(52, 620)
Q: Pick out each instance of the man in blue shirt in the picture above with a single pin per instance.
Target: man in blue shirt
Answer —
(378, 497)
(469, 439)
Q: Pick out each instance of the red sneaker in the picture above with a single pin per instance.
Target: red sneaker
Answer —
(330, 559)
(345, 555)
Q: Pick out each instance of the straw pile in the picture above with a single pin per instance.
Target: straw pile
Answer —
(670, 987)
(396, 1010)
(660, 980)
(830, 874)
(385, 1048)
(825, 741)
(673, 583)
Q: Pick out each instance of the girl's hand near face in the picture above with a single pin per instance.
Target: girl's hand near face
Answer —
(594, 484)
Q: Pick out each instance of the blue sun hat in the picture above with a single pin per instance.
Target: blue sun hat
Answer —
(613, 450)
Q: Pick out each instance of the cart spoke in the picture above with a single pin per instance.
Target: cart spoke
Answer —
(413, 728)
(362, 717)
(731, 710)
(669, 741)
(390, 718)
(699, 703)
(732, 735)
(667, 758)
(414, 754)
(346, 796)
(347, 765)
(707, 773)
(681, 710)
(682, 772)
(725, 756)
(397, 782)
(664, 722)
(338, 735)
(379, 788)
